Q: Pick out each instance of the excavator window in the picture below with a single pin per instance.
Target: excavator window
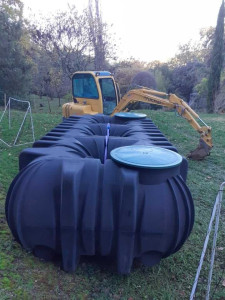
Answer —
(108, 95)
(84, 86)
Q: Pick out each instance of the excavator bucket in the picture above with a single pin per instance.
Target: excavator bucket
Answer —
(200, 152)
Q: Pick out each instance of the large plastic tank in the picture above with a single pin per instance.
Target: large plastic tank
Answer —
(105, 186)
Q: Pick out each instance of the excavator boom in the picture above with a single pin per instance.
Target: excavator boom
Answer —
(171, 101)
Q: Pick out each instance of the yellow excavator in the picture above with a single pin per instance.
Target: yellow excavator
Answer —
(97, 92)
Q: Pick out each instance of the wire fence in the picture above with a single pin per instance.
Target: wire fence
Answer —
(213, 224)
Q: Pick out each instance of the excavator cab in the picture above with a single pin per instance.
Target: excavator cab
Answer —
(93, 92)
(109, 95)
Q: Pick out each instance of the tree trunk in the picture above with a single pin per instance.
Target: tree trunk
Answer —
(34, 102)
(49, 106)
(5, 100)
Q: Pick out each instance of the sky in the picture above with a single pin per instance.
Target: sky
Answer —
(147, 30)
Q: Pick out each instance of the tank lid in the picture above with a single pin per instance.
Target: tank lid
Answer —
(149, 157)
(129, 115)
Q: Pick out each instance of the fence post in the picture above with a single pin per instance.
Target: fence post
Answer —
(5, 100)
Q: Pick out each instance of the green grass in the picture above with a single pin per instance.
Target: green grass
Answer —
(23, 276)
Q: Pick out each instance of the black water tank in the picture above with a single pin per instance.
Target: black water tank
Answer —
(72, 198)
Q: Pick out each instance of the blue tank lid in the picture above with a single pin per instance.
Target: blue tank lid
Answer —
(149, 157)
(129, 115)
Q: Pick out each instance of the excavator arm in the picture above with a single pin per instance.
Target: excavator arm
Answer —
(171, 101)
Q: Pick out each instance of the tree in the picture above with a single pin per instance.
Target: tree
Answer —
(162, 75)
(48, 78)
(124, 72)
(80, 40)
(14, 65)
(194, 51)
(67, 36)
(96, 35)
(216, 61)
(13, 8)
(206, 42)
(189, 52)
(104, 46)
(184, 78)
(145, 79)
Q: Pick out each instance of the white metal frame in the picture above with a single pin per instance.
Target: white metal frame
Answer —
(27, 112)
(215, 216)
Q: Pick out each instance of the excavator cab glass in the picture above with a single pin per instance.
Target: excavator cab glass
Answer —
(108, 95)
(84, 86)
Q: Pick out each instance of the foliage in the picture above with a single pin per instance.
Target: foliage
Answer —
(161, 81)
(206, 43)
(184, 78)
(216, 62)
(162, 75)
(65, 37)
(180, 79)
(78, 40)
(198, 97)
(187, 68)
(202, 87)
(48, 77)
(13, 8)
(219, 105)
(67, 42)
(124, 72)
(189, 52)
(14, 65)
(145, 79)
(194, 51)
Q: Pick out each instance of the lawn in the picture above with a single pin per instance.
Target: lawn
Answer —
(22, 276)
